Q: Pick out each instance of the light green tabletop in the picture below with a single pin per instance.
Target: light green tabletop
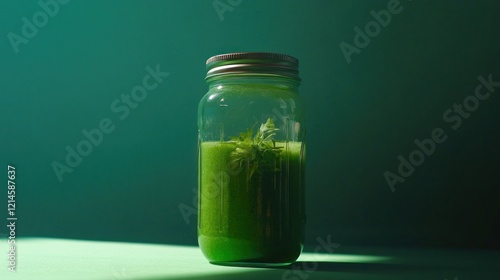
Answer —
(44, 258)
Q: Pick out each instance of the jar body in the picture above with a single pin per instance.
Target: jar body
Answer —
(251, 171)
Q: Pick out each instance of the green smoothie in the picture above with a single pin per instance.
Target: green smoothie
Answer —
(251, 215)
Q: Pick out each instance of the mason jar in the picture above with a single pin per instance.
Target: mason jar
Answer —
(251, 160)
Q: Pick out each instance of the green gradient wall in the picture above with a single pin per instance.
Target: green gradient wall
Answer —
(361, 115)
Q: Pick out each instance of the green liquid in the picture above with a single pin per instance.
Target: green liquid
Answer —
(243, 219)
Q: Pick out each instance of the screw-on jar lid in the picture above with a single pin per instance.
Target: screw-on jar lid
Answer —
(258, 63)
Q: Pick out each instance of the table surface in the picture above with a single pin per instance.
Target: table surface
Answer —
(46, 258)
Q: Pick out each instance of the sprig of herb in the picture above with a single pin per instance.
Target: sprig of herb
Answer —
(256, 153)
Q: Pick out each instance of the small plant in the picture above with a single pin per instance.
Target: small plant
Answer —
(256, 153)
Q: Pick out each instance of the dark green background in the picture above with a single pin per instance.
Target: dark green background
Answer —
(361, 116)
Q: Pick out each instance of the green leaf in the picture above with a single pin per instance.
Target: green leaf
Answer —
(257, 153)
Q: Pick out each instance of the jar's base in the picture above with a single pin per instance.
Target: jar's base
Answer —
(252, 264)
(243, 252)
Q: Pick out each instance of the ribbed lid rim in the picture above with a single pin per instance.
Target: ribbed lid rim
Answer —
(253, 55)
(258, 63)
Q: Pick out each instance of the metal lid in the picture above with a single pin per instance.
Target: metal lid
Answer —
(259, 63)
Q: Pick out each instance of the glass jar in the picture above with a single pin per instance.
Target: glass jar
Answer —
(251, 160)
